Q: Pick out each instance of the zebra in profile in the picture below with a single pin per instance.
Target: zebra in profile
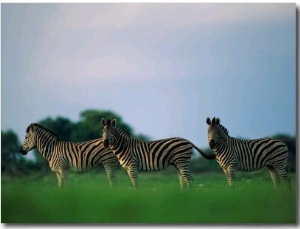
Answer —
(247, 155)
(134, 154)
(62, 156)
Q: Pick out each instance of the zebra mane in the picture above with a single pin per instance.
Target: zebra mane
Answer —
(36, 125)
(122, 132)
(223, 130)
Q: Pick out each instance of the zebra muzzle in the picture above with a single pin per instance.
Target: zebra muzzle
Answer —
(212, 144)
(23, 152)
(106, 143)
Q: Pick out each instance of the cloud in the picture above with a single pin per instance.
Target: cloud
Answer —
(61, 59)
(113, 17)
(112, 61)
(112, 41)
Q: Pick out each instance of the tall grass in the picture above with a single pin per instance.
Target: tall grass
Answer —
(88, 199)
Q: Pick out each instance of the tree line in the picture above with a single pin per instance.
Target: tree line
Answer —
(89, 127)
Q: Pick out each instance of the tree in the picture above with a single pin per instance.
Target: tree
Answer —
(61, 126)
(291, 144)
(10, 153)
(90, 127)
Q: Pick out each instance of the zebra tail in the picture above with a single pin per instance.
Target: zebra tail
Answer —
(206, 156)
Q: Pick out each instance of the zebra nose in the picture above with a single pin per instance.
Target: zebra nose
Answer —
(211, 144)
(106, 143)
(23, 152)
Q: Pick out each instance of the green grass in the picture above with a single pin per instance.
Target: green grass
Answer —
(88, 199)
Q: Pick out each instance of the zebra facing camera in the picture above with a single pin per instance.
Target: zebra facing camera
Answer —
(106, 143)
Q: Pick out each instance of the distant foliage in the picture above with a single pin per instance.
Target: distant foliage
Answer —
(62, 126)
(9, 150)
(291, 144)
(12, 162)
(89, 127)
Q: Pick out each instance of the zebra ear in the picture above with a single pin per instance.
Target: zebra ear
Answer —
(217, 121)
(213, 120)
(103, 121)
(208, 121)
(114, 122)
(28, 128)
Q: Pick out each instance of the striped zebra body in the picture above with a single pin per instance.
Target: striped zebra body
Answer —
(63, 156)
(247, 155)
(135, 155)
(154, 155)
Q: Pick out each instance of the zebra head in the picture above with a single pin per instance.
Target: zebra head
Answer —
(213, 134)
(108, 129)
(30, 140)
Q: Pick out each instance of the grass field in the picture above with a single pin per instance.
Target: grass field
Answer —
(88, 199)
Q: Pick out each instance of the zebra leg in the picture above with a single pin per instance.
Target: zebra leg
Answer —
(59, 179)
(226, 174)
(284, 174)
(181, 180)
(185, 176)
(111, 174)
(230, 173)
(62, 177)
(133, 174)
(274, 175)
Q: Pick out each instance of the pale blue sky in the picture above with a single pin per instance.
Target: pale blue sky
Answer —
(164, 68)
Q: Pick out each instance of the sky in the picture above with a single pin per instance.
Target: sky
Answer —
(164, 68)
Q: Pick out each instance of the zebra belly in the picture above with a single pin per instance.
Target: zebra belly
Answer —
(240, 164)
(124, 164)
(249, 166)
(248, 169)
(54, 168)
(151, 168)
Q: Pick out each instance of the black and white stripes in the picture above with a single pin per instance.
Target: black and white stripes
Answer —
(62, 156)
(247, 155)
(137, 155)
(116, 145)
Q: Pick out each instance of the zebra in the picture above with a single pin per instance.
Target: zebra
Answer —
(247, 155)
(134, 154)
(63, 156)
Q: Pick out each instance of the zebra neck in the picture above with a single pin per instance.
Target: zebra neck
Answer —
(120, 143)
(222, 145)
(46, 147)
